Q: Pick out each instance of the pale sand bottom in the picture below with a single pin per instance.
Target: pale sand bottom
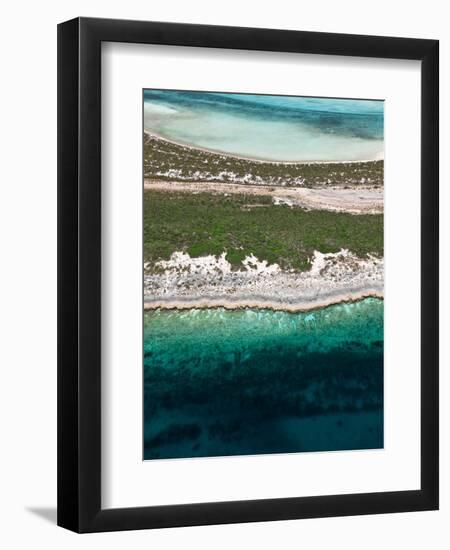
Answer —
(355, 201)
(260, 303)
(158, 137)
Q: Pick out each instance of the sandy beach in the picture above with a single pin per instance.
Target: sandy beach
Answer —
(206, 282)
(155, 135)
(170, 161)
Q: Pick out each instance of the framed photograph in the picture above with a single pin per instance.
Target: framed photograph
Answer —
(248, 275)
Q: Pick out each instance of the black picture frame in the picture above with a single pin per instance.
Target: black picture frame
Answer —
(79, 274)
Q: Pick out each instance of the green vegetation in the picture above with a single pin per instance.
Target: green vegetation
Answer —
(240, 225)
(168, 161)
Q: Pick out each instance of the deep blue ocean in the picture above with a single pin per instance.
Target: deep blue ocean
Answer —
(269, 127)
(220, 382)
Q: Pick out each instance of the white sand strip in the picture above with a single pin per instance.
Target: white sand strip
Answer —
(355, 201)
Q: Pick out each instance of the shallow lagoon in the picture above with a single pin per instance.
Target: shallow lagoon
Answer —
(220, 382)
(280, 128)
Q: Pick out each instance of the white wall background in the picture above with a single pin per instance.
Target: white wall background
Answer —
(28, 272)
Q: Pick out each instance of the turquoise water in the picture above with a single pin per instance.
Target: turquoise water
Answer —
(220, 382)
(268, 127)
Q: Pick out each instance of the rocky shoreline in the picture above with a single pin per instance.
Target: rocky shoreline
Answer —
(183, 282)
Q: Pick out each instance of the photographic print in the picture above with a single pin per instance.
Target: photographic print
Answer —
(263, 274)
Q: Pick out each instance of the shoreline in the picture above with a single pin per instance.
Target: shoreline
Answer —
(155, 135)
(209, 282)
(252, 303)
